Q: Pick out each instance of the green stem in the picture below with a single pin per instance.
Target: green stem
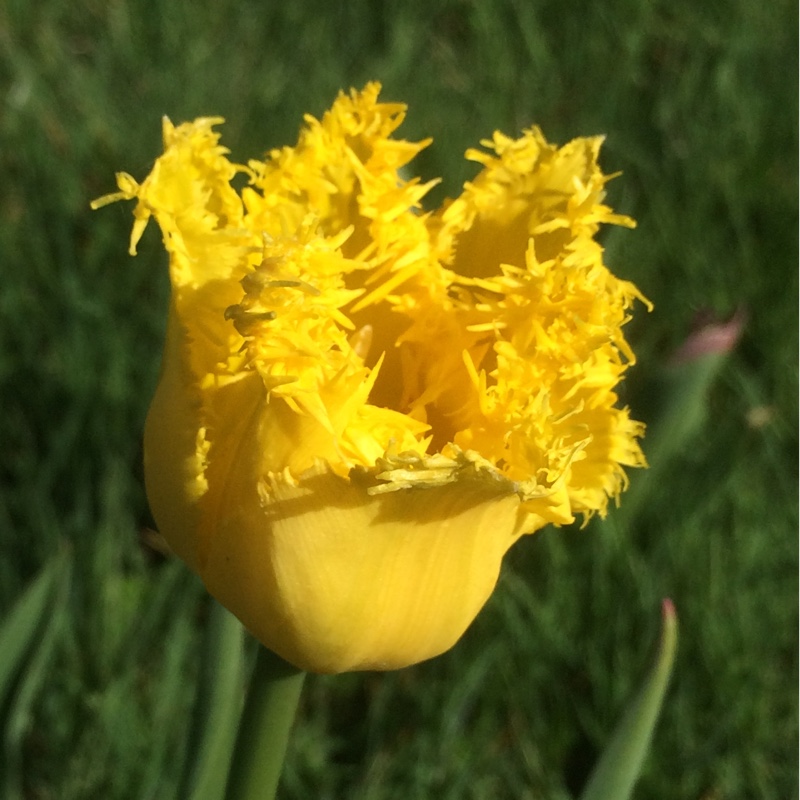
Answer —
(264, 728)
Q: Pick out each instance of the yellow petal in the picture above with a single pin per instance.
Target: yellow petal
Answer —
(335, 580)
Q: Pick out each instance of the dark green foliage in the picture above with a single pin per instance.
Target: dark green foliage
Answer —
(699, 103)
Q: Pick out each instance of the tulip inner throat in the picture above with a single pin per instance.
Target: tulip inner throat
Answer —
(370, 376)
(426, 381)
(377, 331)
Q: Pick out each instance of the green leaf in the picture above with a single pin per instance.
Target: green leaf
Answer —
(615, 775)
(218, 707)
(679, 408)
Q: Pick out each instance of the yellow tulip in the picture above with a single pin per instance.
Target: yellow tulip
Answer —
(363, 405)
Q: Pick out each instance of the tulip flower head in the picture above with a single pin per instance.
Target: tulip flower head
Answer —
(364, 404)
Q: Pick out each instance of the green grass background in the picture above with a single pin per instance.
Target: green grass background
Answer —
(699, 103)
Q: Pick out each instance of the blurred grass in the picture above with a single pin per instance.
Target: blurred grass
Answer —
(699, 103)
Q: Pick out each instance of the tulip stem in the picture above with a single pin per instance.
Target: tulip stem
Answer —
(264, 728)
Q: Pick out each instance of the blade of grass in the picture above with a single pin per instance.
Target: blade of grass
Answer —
(27, 639)
(25, 623)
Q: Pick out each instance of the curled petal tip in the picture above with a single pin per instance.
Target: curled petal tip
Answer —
(711, 337)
